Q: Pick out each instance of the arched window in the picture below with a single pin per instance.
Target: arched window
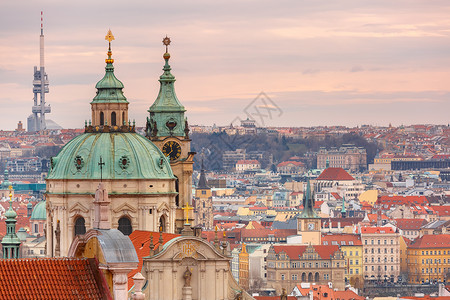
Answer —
(113, 118)
(303, 277)
(102, 118)
(123, 118)
(316, 277)
(162, 224)
(80, 227)
(125, 226)
(310, 277)
(177, 189)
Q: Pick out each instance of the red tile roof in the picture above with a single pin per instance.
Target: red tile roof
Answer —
(52, 278)
(341, 239)
(295, 163)
(442, 210)
(388, 201)
(377, 230)
(410, 224)
(347, 295)
(141, 242)
(337, 174)
(273, 297)
(431, 241)
(294, 251)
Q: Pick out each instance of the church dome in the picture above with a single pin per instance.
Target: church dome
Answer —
(39, 212)
(123, 156)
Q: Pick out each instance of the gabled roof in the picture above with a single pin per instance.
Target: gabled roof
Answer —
(431, 241)
(381, 230)
(52, 278)
(294, 251)
(410, 224)
(337, 174)
(341, 239)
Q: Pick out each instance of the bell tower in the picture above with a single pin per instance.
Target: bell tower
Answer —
(167, 127)
(308, 222)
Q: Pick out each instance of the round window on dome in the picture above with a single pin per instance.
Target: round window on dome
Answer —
(124, 162)
(79, 162)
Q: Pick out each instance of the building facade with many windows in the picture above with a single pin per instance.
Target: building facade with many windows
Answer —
(288, 265)
(381, 253)
(429, 259)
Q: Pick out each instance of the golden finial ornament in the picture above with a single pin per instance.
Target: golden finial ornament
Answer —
(109, 37)
(166, 42)
(10, 193)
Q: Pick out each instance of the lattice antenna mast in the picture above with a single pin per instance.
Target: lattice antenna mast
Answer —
(40, 87)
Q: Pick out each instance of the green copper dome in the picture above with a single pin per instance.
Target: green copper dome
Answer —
(39, 212)
(109, 88)
(124, 156)
(10, 213)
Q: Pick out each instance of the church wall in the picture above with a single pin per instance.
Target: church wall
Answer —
(135, 199)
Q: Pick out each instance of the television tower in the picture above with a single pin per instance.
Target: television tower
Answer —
(36, 121)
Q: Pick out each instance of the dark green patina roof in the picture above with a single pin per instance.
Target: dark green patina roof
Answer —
(109, 88)
(39, 211)
(125, 156)
(308, 205)
(167, 100)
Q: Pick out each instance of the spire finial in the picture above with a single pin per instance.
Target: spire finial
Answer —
(10, 195)
(109, 37)
(166, 42)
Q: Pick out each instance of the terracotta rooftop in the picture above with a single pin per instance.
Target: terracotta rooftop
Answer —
(141, 243)
(431, 241)
(52, 278)
(410, 224)
(294, 251)
(341, 239)
(337, 174)
(380, 230)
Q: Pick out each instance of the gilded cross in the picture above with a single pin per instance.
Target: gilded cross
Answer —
(101, 164)
(186, 209)
(109, 36)
(166, 42)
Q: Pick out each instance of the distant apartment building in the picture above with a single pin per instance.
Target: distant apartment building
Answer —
(381, 253)
(291, 167)
(348, 157)
(243, 268)
(230, 158)
(249, 126)
(288, 265)
(246, 165)
(351, 246)
(27, 164)
(429, 259)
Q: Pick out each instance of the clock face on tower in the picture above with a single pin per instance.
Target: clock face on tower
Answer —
(311, 226)
(172, 150)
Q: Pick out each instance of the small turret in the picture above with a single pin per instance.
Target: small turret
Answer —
(10, 242)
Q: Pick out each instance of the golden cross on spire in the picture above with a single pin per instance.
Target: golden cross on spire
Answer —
(186, 209)
(166, 42)
(109, 36)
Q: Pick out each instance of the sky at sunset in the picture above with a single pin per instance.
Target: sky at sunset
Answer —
(319, 62)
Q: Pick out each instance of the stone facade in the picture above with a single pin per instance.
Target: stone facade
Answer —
(288, 265)
(190, 268)
(381, 253)
(347, 157)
